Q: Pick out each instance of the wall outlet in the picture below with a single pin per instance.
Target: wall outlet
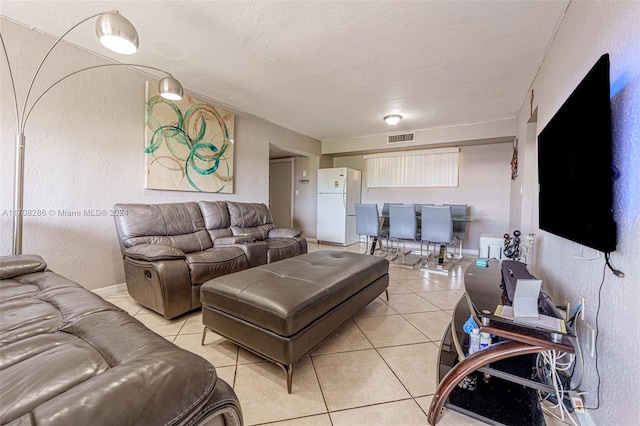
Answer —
(567, 312)
(591, 339)
(583, 302)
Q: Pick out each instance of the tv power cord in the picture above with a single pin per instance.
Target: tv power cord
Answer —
(615, 271)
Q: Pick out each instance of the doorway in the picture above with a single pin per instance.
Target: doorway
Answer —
(281, 192)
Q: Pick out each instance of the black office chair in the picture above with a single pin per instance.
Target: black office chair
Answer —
(368, 224)
(437, 228)
(403, 226)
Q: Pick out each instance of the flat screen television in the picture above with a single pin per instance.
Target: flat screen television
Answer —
(575, 172)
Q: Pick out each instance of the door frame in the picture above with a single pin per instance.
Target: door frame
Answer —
(291, 195)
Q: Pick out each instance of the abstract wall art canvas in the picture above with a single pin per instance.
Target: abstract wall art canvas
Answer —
(188, 145)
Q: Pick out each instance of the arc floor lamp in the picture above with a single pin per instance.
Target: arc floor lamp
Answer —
(116, 33)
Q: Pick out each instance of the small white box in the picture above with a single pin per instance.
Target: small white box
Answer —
(525, 300)
(491, 246)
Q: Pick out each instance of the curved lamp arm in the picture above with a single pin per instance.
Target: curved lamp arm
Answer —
(13, 85)
(110, 25)
(26, 117)
(35, 74)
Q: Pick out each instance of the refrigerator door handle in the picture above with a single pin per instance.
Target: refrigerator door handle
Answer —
(344, 194)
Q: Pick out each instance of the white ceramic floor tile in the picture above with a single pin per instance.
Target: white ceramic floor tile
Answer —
(356, 379)
(347, 338)
(419, 284)
(396, 288)
(125, 303)
(409, 303)
(228, 374)
(441, 299)
(217, 350)
(378, 307)
(414, 365)
(431, 324)
(390, 330)
(193, 325)
(448, 416)
(160, 325)
(318, 420)
(405, 413)
(262, 391)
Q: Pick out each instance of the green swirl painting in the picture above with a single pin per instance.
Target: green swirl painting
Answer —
(188, 145)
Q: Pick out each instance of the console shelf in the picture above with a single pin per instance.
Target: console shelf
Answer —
(498, 386)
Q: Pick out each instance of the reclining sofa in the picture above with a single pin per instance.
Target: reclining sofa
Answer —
(170, 250)
(71, 358)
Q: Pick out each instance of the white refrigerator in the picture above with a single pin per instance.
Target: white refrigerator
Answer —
(338, 193)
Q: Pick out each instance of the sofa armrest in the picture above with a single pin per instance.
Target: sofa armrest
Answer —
(255, 251)
(284, 232)
(153, 252)
(238, 239)
(14, 266)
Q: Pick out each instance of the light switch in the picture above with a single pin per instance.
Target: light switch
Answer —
(304, 173)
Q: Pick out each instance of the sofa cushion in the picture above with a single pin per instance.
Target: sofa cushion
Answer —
(153, 252)
(282, 248)
(175, 224)
(216, 218)
(24, 264)
(285, 233)
(208, 264)
(69, 357)
(250, 218)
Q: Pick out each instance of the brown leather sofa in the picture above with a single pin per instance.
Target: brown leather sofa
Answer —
(68, 357)
(170, 250)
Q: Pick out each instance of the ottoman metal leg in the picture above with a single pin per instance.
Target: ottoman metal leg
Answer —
(204, 335)
(288, 372)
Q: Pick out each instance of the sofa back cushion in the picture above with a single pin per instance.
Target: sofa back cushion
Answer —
(179, 225)
(216, 218)
(250, 218)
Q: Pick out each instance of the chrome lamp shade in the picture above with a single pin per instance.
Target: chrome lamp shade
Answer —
(116, 33)
(170, 88)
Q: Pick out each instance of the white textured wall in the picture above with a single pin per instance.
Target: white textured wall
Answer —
(85, 151)
(305, 203)
(589, 30)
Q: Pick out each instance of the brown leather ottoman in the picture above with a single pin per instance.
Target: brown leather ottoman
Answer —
(282, 310)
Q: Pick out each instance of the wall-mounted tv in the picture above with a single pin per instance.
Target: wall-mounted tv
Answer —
(575, 172)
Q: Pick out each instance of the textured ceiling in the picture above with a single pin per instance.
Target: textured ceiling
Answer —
(332, 69)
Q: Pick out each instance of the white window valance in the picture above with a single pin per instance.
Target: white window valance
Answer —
(420, 168)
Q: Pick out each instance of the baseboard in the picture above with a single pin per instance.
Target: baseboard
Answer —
(112, 289)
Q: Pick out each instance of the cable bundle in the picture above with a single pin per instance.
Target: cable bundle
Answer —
(552, 367)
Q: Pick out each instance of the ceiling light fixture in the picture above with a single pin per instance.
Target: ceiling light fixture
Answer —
(392, 119)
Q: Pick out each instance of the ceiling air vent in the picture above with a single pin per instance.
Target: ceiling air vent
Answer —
(402, 137)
